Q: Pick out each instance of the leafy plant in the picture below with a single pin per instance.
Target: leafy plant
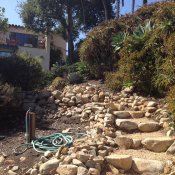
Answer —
(21, 71)
(117, 40)
(58, 83)
(74, 78)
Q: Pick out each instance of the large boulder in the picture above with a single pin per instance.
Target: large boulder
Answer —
(82, 171)
(147, 166)
(120, 161)
(122, 114)
(159, 144)
(49, 166)
(126, 125)
(149, 127)
(124, 142)
(67, 170)
(171, 149)
(137, 114)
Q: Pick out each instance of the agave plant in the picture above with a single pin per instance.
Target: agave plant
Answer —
(141, 31)
(118, 39)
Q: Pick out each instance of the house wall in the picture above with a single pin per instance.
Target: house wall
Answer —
(44, 53)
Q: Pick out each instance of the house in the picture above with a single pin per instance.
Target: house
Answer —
(35, 44)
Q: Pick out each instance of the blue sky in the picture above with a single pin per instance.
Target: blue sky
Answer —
(13, 17)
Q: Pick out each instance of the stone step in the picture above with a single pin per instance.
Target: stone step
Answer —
(154, 144)
(128, 114)
(143, 125)
(141, 161)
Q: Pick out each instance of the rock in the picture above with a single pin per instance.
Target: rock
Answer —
(77, 162)
(95, 98)
(158, 144)
(10, 172)
(22, 159)
(123, 142)
(146, 166)
(128, 89)
(114, 170)
(115, 106)
(170, 133)
(136, 143)
(151, 109)
(1, 159)
(137, 114)
(93, 171)
(15, 168)
(148, 115)
(151, 104)
(56, 94)
(149, 127)
(65, 100)
(46, 167)
(109, 119)
(85, 98)
(126, 124)
(122, 114)
(171, 149)
(33, 172)
(83, 157)
(69, 95)
(120, 161)
(101, 95)
(98, 159)
(48, 154)
(71, 103)
(67, 160)
(102, 153)
(82, 171)
(67, 170)
(90, 164)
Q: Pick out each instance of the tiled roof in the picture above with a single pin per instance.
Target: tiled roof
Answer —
(16, 26)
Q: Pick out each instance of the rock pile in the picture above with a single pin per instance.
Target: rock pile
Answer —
(126, 133)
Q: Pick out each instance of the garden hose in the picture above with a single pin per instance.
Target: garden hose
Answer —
(49, 143)
(45, 143)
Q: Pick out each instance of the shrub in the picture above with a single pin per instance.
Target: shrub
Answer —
(59, 70)
(21, 71)
(74, 78)
(96, 51)
(58, 83)
(146, 56)
(46, 79)
(10, 101)
(113, 81)
(170, 98)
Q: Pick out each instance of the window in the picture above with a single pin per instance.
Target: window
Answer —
(21, 39)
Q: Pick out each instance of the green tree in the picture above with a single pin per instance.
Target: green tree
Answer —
(3, 20)
(50, 15)
(145, 1)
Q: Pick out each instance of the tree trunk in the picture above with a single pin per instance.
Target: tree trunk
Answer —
(133, 5)
(105, 9)
(117, 9)
(145, 1)
(70, 34)
(123, 3)
(83, 10)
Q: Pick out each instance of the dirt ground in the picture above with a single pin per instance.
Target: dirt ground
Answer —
(14, 133)
(15, 136)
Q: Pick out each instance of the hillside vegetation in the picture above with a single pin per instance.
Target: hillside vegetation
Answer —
(135, 50)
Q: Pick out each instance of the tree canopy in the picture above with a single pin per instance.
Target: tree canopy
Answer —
(3, 20)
